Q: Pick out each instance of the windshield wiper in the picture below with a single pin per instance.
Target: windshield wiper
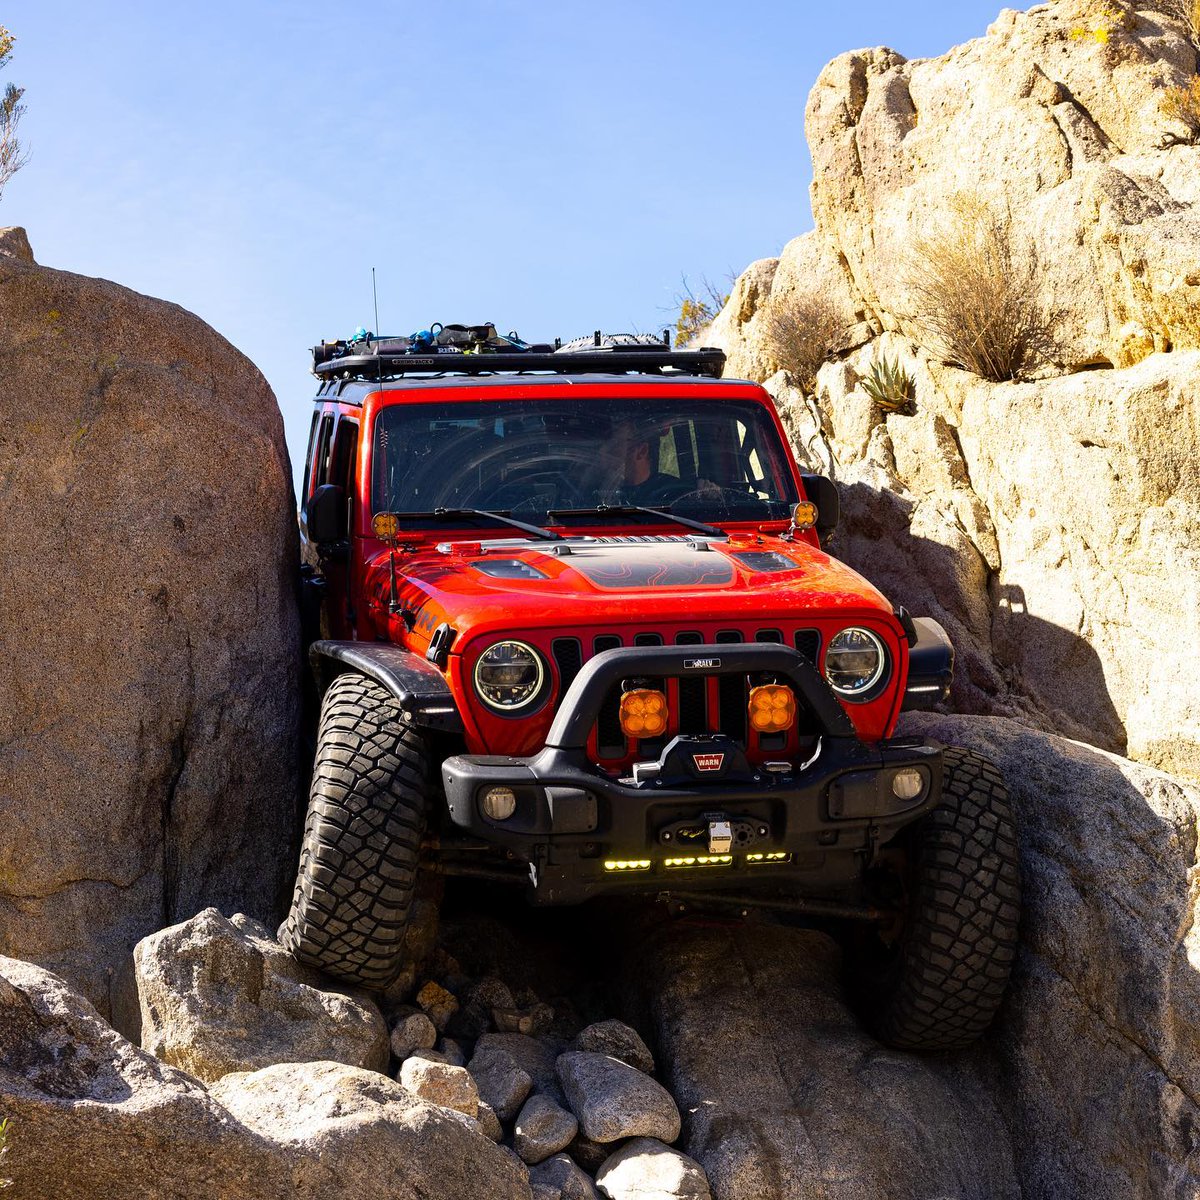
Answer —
(450, 514)
(628, 510)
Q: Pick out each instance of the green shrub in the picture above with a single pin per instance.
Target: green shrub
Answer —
(1108, 21)
(891, 386)
(4, 1183)
(973, 295)
(696, 313)
(13, 155)
(802, 335)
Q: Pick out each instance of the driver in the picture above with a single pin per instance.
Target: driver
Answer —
(631, 456)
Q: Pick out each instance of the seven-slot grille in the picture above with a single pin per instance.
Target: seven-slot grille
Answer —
(694, 700)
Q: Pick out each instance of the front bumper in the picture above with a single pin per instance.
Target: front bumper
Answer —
(583, 833)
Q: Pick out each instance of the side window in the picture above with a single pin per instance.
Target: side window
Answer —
(342, 463)
(319, 458)
(308, 459)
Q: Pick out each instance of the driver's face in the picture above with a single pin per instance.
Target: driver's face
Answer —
(627, 455)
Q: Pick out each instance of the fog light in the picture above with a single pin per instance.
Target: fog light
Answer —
(499, 803)
(908, 784)
(772, 708)
(643, 713)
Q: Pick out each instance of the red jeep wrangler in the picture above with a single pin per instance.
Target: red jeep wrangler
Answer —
(577, 631)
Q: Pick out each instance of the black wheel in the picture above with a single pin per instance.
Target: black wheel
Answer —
(362, 835)
(939, 982)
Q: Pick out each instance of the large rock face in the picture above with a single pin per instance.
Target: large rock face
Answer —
(148, 706)
(1106, 986)
(788, 1096)
(1053, 526)
(1086, 1085)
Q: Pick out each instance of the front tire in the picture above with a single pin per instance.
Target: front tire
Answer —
(938, 987)
(362, 837)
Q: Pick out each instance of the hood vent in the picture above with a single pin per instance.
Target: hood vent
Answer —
(508, 568)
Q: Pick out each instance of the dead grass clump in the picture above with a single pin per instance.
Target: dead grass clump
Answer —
(800, 336)
(1183, 103)
(973, 295)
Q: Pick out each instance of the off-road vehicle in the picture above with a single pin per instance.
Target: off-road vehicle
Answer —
(578, 632)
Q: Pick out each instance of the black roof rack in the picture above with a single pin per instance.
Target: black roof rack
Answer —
(389, 358)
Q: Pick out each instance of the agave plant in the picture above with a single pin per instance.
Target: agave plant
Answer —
(891, 386)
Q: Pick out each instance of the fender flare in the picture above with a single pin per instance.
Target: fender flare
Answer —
(420, 688)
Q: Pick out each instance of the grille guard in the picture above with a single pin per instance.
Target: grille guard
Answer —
(580, 706)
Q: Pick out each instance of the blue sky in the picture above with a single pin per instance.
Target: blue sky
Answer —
(553, 168)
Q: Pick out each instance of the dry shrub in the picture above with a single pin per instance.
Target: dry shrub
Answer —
(1183, 103)
(974, 295)
(800, 336)
(1187, 11)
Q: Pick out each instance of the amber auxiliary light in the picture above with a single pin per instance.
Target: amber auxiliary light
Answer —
(643, 713)
(385, 525)
(772, 708)
(804, 516)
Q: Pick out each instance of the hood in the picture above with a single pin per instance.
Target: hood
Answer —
(484, 587)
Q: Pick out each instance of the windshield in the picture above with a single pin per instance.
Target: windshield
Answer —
(713, 459)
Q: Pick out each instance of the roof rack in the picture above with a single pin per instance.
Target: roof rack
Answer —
(372, 357)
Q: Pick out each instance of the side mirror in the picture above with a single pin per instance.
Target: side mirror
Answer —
(327, 515)
(824, 494)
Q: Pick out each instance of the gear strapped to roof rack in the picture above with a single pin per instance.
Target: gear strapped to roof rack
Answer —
(480, 350)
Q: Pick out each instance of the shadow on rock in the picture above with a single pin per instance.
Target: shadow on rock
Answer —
(1095, 1060)
(1007, 660)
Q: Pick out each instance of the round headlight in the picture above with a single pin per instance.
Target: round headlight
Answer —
(509, 676)
(854, 662)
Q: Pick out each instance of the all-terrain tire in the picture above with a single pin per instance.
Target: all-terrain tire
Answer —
(940, 987)
(362, 837)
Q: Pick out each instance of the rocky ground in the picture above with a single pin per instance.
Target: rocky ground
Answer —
(613, 1051)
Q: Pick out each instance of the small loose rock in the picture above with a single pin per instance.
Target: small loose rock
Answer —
(613, 1100)
(438, 1004)
(645, 1169)
(536, 1058)
(453, 1051)
(533, 1020)
(489, 1122)
(542, 1129)
(500, 1081)
(440, 1083)
(414, 1031)
(563, 1175)
(491, 993)
(617, 1040)
(590, 1155)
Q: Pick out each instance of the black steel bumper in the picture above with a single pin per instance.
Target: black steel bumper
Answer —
(583, 833)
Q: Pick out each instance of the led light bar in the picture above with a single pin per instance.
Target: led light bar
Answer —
(699, 860)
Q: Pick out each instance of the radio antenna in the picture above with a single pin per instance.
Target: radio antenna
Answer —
(375, 298)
